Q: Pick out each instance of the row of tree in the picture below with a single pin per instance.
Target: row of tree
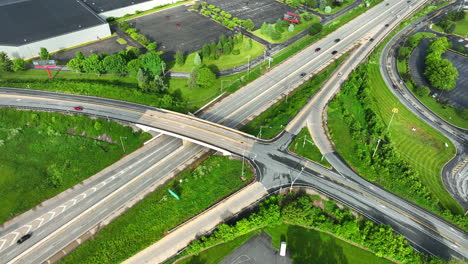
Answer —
(447, 22)
(275, 31)
(8, 65)
(222, 16)
(299, 210)
(440, 72)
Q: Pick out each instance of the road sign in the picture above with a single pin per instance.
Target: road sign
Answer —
(45, 64)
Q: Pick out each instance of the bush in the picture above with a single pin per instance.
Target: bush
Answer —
(18, 65)
(124, 26)
(315, 28)
(121, 41)
(307, 16)
(110, 19)
(152, 46)
(44, 54)
(421, 90)
(235, 52)
(131, 31)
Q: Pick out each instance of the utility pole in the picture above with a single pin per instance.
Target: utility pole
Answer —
(243, 160)
(378, 142)
(302, 169)
(248, 62)
(121, 142)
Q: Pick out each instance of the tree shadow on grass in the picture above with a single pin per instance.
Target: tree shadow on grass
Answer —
(307, 246)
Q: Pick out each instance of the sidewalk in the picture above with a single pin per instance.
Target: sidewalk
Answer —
(181, 237)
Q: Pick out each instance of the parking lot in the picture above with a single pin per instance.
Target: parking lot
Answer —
(458, 97)
(258, 10)
(178, 29)
(258, 250)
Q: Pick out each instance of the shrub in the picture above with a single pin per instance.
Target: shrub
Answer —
(212, 7)
(206, 13)
(124, 26)
(110, 19)
(235, 52)
(121, 41)
(131, 30)
(216, 10)
(18, 65)
(307, 16)
(315, 28)
(44, 54)
(152, 46)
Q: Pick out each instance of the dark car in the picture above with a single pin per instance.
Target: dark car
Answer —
(303, 74)
(337, 40)
(78, 108)
(334, 52)
(24, 238)
(317, 49)
(387, 4)
(371, 39)
(386, 25)
(395, 87)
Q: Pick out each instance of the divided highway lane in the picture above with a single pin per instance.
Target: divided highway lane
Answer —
(237, 110)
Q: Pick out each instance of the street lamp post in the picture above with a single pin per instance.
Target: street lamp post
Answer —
(292, 182)
(243, 161)
(394, 110)
(248, 62)
(121, 142)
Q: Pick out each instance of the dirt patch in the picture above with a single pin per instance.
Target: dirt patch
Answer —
(318, 203)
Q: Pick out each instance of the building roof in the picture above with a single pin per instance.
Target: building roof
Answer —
(26, 21)
(100, 6)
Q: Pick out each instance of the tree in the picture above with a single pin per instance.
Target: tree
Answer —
(248, 44)
(192, 80)
(441, 74)
(279, 26)
(133, 52)
(222, 39)
(141, 79)
(152, 46)
(159, 83)
(213, 48)
(310, 3)
(315, 28)
(179, 58)
(75, 64)
(92, 64)
(327, 9)
(205, 77)
(18, 65)
(79, 55)
(249, 24)
(323, 4)
(263, 28)
(275, 35)
(206, 51)
(44, 54)
(421, 90)
(114, 64)
(197, 60)
(291, 28)
(227, 48)
(5, 62)
(133, 66)
(153, 63)
(219, 48)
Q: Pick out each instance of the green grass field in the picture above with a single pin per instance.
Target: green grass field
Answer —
(30, 142)
(304, 146)
(287, 35)
(461, 27)
(225, 61)
(310, 246)
(146, 222)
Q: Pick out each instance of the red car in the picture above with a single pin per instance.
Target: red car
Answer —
(78, 108)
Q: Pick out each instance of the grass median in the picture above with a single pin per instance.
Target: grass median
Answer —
(272, 121)
(43, 154)
(149, 220)
(304, 146)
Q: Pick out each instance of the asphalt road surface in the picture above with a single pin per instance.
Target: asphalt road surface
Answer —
(52, 236)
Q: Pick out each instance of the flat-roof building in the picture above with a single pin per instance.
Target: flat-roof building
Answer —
(29, 25)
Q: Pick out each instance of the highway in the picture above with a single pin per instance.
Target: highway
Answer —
(455, 183)
(252, 99)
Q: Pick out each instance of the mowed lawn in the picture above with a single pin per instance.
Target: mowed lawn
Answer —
(424, 148)
(307, 246)
(298, 28)
(304, 146)
(461, 27)
(225, 61)
(31, 142)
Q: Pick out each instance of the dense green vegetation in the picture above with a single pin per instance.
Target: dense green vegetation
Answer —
(221, 16)
(310, 246)
(147, 221)
(273, 120)
(223, 55)
(453, 22)
(282, 30)
(359, 118)
(447, 112)
(43, 154)
(440, 72)
(300, 210)
(304, 146)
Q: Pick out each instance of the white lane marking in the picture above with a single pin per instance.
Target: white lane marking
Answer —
(2, 242)
(53, 214)
(14, 238)
(40, 221)
(29, 227)
(93, 189)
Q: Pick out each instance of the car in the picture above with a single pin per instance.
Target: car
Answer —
(395, 87)
(371, 39)
(334, 52)
(78, 108)
(387, 4)
(387, 25)
(339, 74)
(303, 74)
(337, 40)
(317, 49)
(24, 238)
